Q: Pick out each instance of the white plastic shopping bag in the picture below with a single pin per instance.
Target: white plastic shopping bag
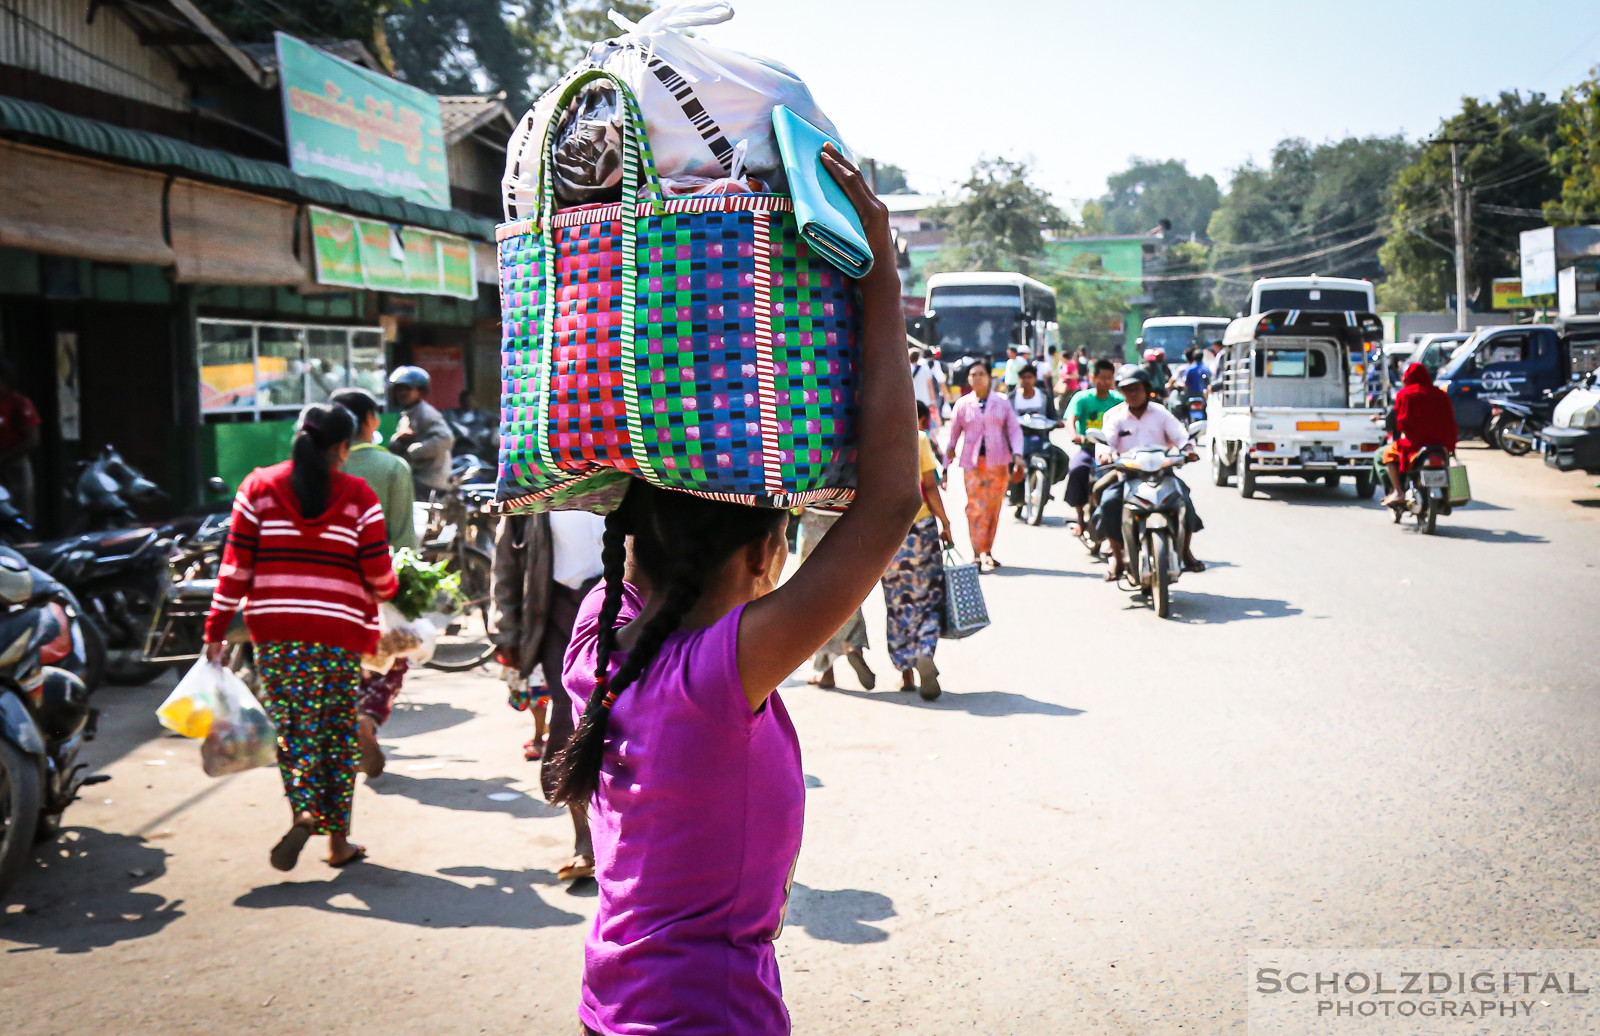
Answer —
(191, 706)
(241, 735)
(400, 637)
(699, 102)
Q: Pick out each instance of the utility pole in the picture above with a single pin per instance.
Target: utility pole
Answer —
(1461, 219)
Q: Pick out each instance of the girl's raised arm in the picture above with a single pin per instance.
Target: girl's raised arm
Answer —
(784, 628)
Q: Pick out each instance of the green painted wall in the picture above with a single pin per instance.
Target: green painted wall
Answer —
(1120, 257)
(233, 450)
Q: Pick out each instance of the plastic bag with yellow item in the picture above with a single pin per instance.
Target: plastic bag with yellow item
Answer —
(190, 707)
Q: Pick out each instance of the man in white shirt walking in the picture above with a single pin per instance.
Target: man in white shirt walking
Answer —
(1138, 422)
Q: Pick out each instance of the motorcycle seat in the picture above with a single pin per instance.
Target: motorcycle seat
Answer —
(111, 543)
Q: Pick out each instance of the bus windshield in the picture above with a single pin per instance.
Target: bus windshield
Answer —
(977, 319)
(1174, 341)
(1301, 298)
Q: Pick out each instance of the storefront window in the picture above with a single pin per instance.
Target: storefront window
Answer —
(227, 366)
(267, 367)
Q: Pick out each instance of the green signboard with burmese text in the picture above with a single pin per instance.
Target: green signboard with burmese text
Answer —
(361, 128)
(365, 253)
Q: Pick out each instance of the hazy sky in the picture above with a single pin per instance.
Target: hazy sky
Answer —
(1080, 86)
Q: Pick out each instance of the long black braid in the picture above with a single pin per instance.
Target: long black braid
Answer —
(678, 541)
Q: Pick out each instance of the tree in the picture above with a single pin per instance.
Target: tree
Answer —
(1576, 158)
(1313, 209)
(1141, 196)
(999, 222)
(1086, 305)
(1509, 174)
(467, 46)
(1179, 296)
(891, 178)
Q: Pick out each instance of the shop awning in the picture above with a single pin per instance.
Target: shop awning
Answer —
(30, 121)
(62, 205)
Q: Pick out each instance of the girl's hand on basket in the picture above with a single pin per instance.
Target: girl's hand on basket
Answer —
(874, 217)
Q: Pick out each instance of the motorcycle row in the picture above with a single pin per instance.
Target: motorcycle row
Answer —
(120, 602)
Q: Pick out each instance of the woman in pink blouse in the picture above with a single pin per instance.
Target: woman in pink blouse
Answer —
(991, 456)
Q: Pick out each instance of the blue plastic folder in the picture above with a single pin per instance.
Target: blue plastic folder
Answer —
(828, 222)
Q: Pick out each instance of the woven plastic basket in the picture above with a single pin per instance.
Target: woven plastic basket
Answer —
(694, 342)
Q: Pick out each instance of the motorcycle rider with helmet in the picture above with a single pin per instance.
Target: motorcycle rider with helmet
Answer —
(423, 437)
(1155, 364)
(1140, 421)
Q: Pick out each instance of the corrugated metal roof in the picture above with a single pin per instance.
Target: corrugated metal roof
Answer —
(464, 114)
(27, 119)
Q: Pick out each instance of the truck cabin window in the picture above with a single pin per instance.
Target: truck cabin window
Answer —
(1291, 363)
(1512, 349)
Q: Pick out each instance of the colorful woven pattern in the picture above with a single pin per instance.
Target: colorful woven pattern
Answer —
(694, 342)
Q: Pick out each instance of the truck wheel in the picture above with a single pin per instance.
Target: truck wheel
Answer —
(1219, 470)
(1364, 485)
(1331, 481)
(1247, 475)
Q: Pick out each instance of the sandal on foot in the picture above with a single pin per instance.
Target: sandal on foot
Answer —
(1194, 565)
(358, 853)
(823, 680)
(928, 677)
(864, 673)
(286, 853)
(575, 868)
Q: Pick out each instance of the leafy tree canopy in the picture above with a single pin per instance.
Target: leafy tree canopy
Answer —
(999, 222)
(1148, 191)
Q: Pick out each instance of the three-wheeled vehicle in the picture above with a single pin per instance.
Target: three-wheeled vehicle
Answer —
(1281, 402)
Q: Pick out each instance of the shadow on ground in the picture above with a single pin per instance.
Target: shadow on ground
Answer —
(464, 793)
(504, 899)
(1468, 532)
(412, 718)
(81, 893)
(839, 915)
(978, 703)
(1016, 570)
(1214, 609)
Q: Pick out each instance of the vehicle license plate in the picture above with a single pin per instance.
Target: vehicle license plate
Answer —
(1322, 455)
(1435, 477)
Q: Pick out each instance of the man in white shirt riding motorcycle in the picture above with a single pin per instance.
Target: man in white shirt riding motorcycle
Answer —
(1138, 422)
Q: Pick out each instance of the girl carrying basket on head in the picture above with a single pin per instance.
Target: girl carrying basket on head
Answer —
(684, 751)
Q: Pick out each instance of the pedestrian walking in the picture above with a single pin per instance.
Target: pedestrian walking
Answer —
(913, 585)
(19, 438)
(985, 431)
(850, 641)
(544, 566)
(685, 747)
(308, 557)
(390, 479)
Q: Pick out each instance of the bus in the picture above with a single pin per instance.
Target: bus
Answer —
(981, 314)
(1174, 335)
(1338, 294)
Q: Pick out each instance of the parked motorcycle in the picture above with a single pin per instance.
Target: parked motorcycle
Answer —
(45, 714)
(110, 492)
(477, 432)
(1514, 425)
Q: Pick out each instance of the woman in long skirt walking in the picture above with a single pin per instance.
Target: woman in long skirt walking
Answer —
(308, 556)
(990, 455)
(913, 585)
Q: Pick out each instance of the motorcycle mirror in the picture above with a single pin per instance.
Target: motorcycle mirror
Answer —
(1098, 435)
(218, 486)
(1197, 429)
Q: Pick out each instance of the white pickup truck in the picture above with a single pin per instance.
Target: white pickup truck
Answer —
(1280, 404)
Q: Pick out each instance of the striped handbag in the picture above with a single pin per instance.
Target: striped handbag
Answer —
(693, 342)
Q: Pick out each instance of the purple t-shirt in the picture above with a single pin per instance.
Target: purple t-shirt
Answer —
(696, 829)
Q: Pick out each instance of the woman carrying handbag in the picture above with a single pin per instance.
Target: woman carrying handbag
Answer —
(991, 457)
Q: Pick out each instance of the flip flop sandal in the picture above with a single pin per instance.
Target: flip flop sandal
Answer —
(928, 679)
(1194, 566)
(286, 853)
(355, 857)
(868, 678)
(532, 750)
(576, 868)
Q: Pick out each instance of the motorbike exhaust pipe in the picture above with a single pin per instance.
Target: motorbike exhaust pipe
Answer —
(1520, 440)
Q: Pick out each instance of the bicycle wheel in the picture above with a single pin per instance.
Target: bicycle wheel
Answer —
(465, 643)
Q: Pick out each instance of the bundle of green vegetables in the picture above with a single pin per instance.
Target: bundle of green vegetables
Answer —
(425, 587)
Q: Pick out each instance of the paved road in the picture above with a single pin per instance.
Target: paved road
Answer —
(1350, 736)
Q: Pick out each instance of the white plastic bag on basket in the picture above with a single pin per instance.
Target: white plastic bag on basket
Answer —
(241, 735)
(400, 637)
(698, 102)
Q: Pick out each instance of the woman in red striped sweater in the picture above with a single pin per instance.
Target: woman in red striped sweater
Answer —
(308, 555)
